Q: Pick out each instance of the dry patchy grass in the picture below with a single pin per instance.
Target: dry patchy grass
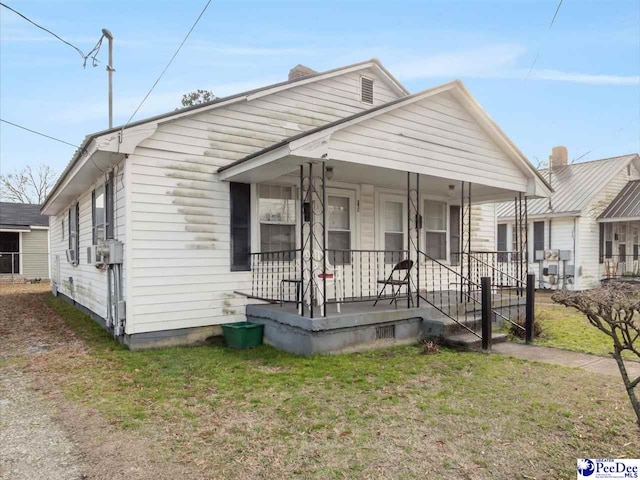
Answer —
(382, 414)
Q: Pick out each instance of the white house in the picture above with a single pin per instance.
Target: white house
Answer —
(571, 221)
(169, 227)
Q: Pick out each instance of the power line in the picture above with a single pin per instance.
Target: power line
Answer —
(168, 64)
(38, 133)
(533, 64)
(555, 14)
(95, 49)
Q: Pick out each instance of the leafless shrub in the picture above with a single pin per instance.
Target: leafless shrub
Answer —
(429, 347)
(615, 310)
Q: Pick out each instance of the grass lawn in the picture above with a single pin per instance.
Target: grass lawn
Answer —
(393, 413)
(568, 329)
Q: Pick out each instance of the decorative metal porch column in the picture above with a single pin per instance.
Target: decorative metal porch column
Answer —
(465, 239)
(521, 235)
(414, 230)
(313, 238)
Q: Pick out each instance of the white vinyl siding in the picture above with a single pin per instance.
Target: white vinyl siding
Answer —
(88, 286)
(180, 210)
(435, 136)
(35, 254)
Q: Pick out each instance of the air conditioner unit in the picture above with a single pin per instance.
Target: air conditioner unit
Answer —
(551, 255)
(71, 255)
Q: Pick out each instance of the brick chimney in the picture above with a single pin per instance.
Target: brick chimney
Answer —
(558, 157)
(300, 71)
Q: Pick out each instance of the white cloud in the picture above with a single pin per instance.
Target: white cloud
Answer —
(476, 62)
(585, 78)
(496, 61)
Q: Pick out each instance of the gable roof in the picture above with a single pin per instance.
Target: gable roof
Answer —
(574, 186)
(626, 204)
(21, 215)
(374, 62)
(484, 120)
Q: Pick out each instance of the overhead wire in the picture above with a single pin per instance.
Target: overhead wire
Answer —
(38, 133)
(168, 64)
(84, 56)
(535, 60)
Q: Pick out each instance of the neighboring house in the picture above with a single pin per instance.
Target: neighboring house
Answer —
(24, 242)
(169, 227)
(573, 220)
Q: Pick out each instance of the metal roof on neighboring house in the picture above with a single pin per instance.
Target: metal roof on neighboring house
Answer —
(626, 204)
(574, 186)
(21, 214)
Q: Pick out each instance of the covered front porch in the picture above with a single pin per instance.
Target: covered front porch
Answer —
(620, 236)
(368, 213)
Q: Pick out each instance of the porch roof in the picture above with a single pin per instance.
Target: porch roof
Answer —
(401, 142)
(626, 205)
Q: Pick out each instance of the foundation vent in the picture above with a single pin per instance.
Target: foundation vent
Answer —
(386, 331)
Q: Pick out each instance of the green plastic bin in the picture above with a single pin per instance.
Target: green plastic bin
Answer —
(242, 335)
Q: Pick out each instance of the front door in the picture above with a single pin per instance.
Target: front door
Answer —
(9, 248)
(341, 248)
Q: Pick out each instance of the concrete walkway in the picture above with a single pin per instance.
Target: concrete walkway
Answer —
(591, 363)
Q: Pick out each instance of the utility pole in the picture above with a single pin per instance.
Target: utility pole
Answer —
(110, 69)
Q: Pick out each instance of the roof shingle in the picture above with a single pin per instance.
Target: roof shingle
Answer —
(22, 214)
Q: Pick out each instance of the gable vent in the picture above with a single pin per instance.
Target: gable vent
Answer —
(366, 90)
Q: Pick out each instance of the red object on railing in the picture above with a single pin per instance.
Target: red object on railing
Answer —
(325, 275)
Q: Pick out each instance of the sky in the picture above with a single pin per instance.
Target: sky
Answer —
(583, 91)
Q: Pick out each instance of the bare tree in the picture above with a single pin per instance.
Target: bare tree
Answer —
(197, 97)
(615, 311)
(29, 185)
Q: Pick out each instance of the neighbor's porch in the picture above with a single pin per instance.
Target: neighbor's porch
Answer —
(619, 249)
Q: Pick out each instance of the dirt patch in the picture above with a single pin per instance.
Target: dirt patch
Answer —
(46, 435)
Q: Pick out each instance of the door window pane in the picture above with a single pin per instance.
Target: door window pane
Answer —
(436, 245)
(393, 217)
(435, 215)
(338, 213)
(393, 243)
(339, 229)
(436, 229)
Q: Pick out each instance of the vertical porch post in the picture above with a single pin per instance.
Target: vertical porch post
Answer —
(301, 288)
(312, 280)
(465, 239)
(324, 245)
(414, 226)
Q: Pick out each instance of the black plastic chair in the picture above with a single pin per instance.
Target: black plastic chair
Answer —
(396, 283)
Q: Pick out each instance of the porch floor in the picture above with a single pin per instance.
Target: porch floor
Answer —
(359, 325)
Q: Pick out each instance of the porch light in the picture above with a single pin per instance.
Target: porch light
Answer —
(329, 173)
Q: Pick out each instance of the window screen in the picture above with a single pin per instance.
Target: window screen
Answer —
(277, 219)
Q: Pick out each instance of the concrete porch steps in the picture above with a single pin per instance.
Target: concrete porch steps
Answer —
(468, 341)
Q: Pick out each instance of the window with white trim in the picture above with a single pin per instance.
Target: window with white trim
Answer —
(74, 239)
(393, 231)
(339, 229)
(277, 216)
(97, 215)
(435, 224)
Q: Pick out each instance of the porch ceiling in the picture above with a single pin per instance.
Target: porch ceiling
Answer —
(288, 170)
